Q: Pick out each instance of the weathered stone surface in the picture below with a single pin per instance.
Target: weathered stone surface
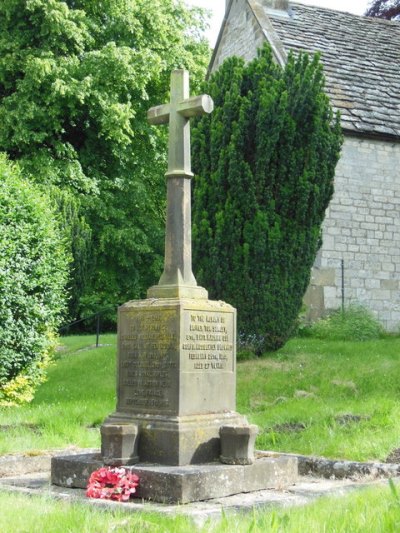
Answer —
(73, 471)
(169, 348)
(182, 440)
(314, 302)
(332, 469)
(17, 464)
(277, 4)
(305, 491)
(237, 444)
(119, 444)
(188, 483)
(177, 280)
(176, 350)
(390, 284)
(323, 276)
(177, 377)
(336, 469)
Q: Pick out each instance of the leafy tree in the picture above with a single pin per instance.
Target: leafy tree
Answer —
(264, 163)
(78, 241)
(76, 80)
(33, 274)
(385, 9)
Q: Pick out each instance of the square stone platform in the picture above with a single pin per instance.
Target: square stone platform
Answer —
(184, 484)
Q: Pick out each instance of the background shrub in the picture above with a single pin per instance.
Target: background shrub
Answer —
(355, 323)
(264, 162)
(33, 274)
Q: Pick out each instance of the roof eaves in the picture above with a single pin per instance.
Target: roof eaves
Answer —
(373, 135)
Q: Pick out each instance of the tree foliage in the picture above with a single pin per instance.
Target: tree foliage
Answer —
(264, 163)
(385, 9)
(77, 235)
(76, 80)
(33, 274)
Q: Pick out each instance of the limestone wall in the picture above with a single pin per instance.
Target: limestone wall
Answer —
(242, 35)
(362, 227)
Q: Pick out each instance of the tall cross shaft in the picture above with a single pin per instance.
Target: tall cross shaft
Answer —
(178, 279)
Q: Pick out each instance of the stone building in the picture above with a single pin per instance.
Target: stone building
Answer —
(361, 58)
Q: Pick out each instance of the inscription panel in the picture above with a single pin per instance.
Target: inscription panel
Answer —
(148, 360)
(207, 342)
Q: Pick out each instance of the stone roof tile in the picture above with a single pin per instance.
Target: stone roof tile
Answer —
(361, 57)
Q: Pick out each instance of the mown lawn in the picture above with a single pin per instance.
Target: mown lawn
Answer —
(337, 399)
(69, 408)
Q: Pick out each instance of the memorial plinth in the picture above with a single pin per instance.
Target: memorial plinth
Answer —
(177, 377)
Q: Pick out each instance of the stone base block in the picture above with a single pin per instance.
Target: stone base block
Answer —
(237, 444)
(178, 441)
(184, 484)
(119, 444)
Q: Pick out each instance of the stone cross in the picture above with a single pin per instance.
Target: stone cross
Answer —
(177, 279)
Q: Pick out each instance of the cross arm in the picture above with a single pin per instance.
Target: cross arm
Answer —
(197, 105)
(159, 114)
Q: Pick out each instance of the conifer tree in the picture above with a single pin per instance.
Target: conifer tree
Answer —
(264, 163)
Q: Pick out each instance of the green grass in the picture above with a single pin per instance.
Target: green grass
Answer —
(337, 378)
(354, 323)
(69, 408)
(20, 514)
(76, 343)
(369, 511)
